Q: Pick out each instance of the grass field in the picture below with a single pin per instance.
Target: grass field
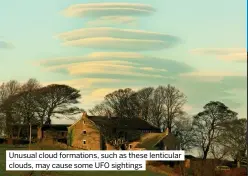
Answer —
(3, 149)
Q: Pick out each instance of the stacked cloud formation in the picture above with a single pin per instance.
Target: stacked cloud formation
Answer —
(117, 54)
(114, 38)
(117, 61)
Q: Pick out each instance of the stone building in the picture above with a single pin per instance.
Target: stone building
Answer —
(107, 133)
(104, 133)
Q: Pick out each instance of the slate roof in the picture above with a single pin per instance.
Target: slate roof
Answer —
(106, 122)
(122, 123)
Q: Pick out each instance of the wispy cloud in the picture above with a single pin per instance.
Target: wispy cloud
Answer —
(108, 9)
(6, 45)
(227, 54)
(118, 39)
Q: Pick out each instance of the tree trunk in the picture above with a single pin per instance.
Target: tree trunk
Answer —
(205, 154)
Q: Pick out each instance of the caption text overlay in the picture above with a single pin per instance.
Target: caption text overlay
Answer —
(55, 160)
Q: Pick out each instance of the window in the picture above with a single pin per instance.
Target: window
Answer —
(84, 132)
(84, 142)
(83, 122)
(130, 146)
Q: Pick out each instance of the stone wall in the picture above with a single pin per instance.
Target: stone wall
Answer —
(84, 135)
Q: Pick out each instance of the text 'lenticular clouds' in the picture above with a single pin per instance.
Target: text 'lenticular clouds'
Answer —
(118, 39)
(108, 9)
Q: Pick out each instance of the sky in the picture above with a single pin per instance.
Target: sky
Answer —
(100, 46)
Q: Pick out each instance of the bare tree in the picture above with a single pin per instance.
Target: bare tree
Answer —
(174, 102)
(234, 139)
(208, 124)
(157, 108)
(219, 151)
(122, 103)
(144, 99)
(167, 104)
(101, 110)
(7, 89)
(183, 130)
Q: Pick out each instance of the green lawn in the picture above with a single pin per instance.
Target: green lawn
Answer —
(3, 149)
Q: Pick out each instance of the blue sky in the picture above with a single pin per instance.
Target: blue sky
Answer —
(198, 46)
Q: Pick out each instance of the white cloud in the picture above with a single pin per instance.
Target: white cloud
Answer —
(103, 67)
(95, 56)
(117, 64)
(108, 9)
(120, 39)
(113, 33)
(227, 54)
(119, 44)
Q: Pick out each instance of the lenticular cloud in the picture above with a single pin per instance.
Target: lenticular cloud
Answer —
(118, 39)
(108, 9)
